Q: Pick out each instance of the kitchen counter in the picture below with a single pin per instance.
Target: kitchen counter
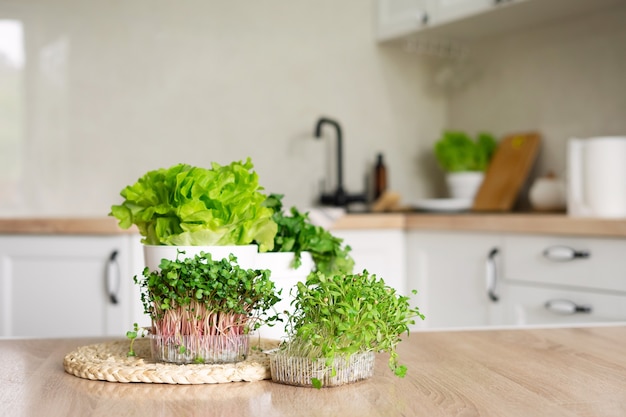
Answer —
(554, 224)
(62, 226)
(507, 372)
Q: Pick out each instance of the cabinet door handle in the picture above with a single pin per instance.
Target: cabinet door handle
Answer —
(492, 275)
(113, 277)
(564, 253)
(567, 307)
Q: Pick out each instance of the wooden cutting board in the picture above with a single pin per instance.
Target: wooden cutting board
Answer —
(507, 172)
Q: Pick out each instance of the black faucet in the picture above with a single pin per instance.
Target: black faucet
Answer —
(339, 198)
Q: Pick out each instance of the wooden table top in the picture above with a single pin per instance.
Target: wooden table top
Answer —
(518, 372)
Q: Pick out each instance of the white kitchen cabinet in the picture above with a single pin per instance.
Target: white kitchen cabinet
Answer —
(483, 279)
(563, 280)
(450, 270)
(381, 252)
(566, 262)
(441, 11)
(56, 285)
(66, 285)
(465, 20)
(525, 305)
(399, 17)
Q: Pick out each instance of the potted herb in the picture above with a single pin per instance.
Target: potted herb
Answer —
(296, 234)
(299, 248)
(339, 322)
(464, 160)
(202, 310)
(191, 207)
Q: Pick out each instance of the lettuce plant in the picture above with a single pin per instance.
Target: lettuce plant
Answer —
(191, 206)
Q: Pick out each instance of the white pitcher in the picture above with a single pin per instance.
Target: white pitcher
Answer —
(597, 177)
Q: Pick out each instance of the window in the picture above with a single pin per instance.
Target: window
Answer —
(11, 109)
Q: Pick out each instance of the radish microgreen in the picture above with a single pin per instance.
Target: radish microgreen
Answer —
(199, 296)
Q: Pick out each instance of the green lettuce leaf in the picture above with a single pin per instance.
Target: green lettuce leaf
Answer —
(187, 205)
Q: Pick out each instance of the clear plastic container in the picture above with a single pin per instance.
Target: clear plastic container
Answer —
(292, 370)
(199, 349)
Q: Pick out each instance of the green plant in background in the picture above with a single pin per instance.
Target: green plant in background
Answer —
(456, 151)
(297, 234)
(345, 314)
(186, 205)
(201, 297)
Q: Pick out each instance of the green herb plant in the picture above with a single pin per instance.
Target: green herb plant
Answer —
(199, 296)
(297, 234)
(132, 335)
(345, 314)
(193, 206)
(456, 151)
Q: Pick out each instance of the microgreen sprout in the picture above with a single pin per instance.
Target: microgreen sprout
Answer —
(345, 314)
(132, 336)
(199, 296)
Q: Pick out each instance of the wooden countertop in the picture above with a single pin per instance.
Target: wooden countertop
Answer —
(554, 224)
(62, 225)
(517, 372)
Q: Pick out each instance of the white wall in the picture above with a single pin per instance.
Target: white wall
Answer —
(113, 89)
(566, 79)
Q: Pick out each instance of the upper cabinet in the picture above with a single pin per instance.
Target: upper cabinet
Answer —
(440, 11)
(463, 20)
(397, 18)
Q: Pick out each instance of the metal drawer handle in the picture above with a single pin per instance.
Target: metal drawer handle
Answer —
(492, 275)
(113, 277)
(565, 253)
(567, 307)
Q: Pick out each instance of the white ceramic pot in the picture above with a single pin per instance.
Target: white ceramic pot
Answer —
(246, 254)
(547, 194)
(464, 185)
(285, 278)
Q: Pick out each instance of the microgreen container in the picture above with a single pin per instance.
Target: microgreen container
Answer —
(200, 349)
(291, 370)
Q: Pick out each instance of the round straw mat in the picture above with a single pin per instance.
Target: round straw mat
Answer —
(109, 362)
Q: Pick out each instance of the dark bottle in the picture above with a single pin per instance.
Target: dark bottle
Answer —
(380, 177)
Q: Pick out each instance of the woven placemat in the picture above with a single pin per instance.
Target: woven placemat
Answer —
(109, 362)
